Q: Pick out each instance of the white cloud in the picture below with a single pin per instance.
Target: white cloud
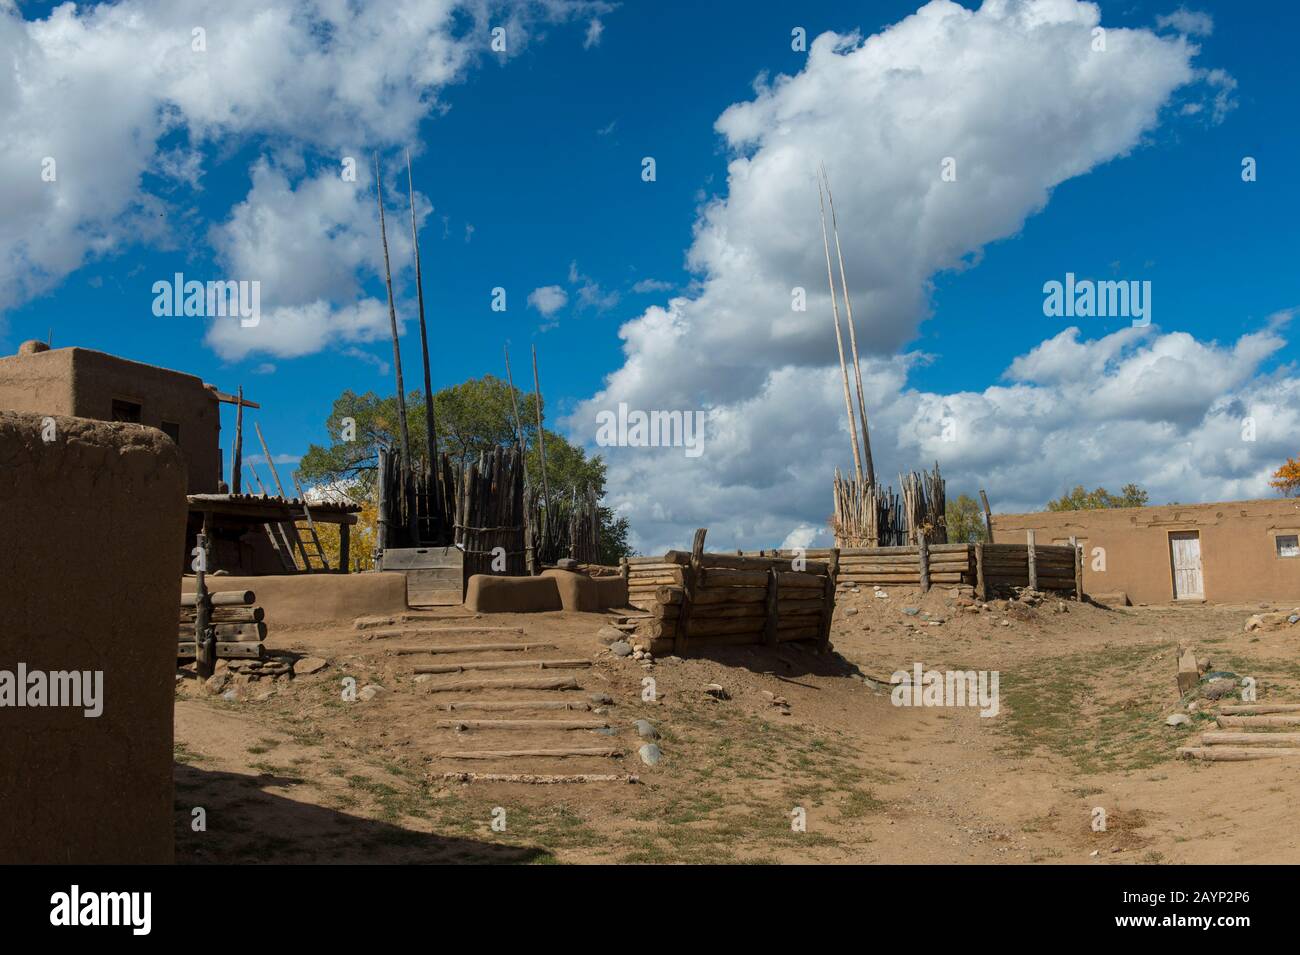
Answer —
(97, 88)
(651, 285)
(590, 292)
(1190, 22)
(548, 299)
(291, 331)
(883, 113)
(595, 29)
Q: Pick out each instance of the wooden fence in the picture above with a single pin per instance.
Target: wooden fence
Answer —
(700, 599)
(771, 597)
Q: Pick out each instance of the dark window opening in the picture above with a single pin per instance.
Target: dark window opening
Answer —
(128, 411)
(172, 430)
(1288, 545)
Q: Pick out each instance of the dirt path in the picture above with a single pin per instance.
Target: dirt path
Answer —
(292, 772)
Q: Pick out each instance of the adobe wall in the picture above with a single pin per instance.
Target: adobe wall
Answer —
(91, 527)
(1238, 554)
(40, 383)
(298, 600)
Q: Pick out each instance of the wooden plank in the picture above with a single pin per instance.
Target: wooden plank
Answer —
(229, 632)
(539, 779)
(1259, 720)
(423, 558)
(1213, 738)
(981, 583)
(472, 648)
(1261, 708)
(501, 665)
(772, 607)
(225, 651)
(227, 598)
(503, 706)
(227, 615)
(1236, 754)
(513, 683)
(592, 724)
(600, 751)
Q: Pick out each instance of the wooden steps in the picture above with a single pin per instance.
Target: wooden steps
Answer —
(1250, 734)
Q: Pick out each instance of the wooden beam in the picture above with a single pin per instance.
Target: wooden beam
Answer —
(1032, 557)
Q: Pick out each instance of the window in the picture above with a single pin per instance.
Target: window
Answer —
(172, 430)
(124, 410)
(1288, 545)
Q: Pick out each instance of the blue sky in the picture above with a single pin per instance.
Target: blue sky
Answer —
(539, 154)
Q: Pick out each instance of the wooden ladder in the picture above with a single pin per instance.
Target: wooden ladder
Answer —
(275, 533)
(311, 535)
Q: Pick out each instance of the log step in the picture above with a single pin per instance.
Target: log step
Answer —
(514, 683)
(1235, 754)
(600, 751)
(472, 648)
(1258, 720)
(505, 706)
(539, 779)
(1212, 738)
(502, 665)
(1261, 708)
(523, 724)
(440, 631)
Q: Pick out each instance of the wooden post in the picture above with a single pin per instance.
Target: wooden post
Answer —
(923, 552)
(1078, 568)
(345, 547)
(772, 619)
(988, 516)
(690, 580)
(205, 661)
(237, 455)
(981, 586)
(624, 569)
(381, 521)
(1033, 560)
(828, 597)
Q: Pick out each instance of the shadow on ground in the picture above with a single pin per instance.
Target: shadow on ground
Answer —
(247, 825)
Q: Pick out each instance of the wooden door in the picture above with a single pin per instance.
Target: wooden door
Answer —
(1185, 554)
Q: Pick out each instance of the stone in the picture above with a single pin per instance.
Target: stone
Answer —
(1217, 689)
(638, 654)
(716, 691)
(1178, 719)
(566, 563)
(230, 696)
(851, 611)
(370, 691)
(1293, 619)
(620, 648)
(601, 699)
(217, 682)
(645, 729)
(911, 611)
(1004, 623)
(308, 665)
(608, 635)
(650, 754)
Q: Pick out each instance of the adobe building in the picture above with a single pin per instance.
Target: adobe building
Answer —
(249, 534)
(82, 383)
(1231, 552)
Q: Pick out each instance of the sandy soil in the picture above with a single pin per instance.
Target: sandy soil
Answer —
(291, 772)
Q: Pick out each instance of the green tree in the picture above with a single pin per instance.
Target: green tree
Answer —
(472, 417)
(1080, 499)
(965, 520)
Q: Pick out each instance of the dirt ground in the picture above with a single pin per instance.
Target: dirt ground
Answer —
(288, 771)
